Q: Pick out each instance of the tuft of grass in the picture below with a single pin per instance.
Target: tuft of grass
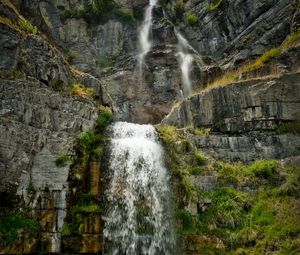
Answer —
(26, 26)
(291, 40)
(192, 19)
(267, 56)
(80, 90)
(199, 131)
(213, 6)
(199, 158)
(63, 160)
(168, 133)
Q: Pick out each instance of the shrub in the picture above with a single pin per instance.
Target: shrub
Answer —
(192, 19)
(80, 90)
(104, 118)
(87, 139)
(26, 26)
(63, 160)
(263, 168)
(12, 224)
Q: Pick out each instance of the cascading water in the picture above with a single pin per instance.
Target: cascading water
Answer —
(186, 61)
(144, 41)
(138, 219)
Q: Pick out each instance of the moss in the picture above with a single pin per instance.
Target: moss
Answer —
(12, 224)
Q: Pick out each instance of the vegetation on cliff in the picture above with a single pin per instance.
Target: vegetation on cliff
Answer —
(253, 209)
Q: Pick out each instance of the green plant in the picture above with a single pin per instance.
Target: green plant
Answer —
(213, 6)
(12, 224)
(26, 26)
(98, 152)
(90, 208)
(199, 158)
(63, 160)
(291, 40)
(269, 54)
(126, 15)
(80, 90)
(292, 127)
(263, 168)
(179, 10)
(168, 133)
(104, 118)
(192, 19)
(199, 131)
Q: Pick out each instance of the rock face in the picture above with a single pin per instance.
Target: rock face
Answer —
(231, 36)
(245, 115)
(37, 126)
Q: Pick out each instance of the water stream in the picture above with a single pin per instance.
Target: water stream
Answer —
(144, 40)
(138, 220)
(185, 60)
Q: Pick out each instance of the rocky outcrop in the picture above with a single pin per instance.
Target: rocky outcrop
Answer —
(244, 116)
(231, 37)
(37, 126)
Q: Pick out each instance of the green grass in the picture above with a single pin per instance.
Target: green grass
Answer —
(168, 133)
(63, 160)
(26, 26)
(292, 40)
(213, 6)
(12, 224)
(90, 208)
(192, 19)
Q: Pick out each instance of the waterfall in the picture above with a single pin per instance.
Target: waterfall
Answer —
(185, 61)
(144, 41)
(137, 221)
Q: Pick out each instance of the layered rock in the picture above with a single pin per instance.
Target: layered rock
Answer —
(37, 126)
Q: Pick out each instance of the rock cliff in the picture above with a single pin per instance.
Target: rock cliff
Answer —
(244, 103)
